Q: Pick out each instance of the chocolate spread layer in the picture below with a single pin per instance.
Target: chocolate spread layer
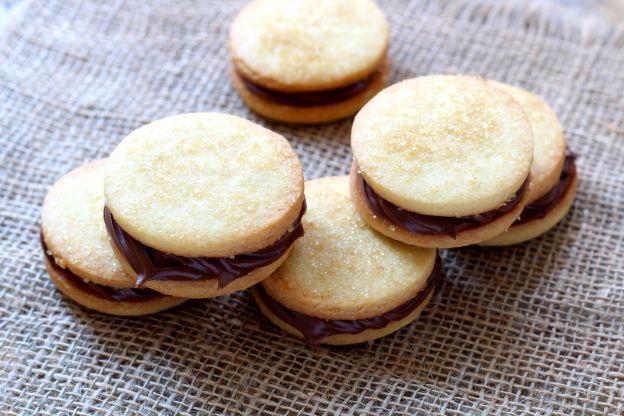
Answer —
(101, 291)
(308, 99)
(430, 224)
(315, 329)
(539, 208)
(151, 264)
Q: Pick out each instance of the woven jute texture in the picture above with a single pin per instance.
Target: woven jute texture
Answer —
(532, 329)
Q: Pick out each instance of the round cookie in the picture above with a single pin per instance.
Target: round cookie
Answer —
(203, 204)
(78, 255)
(552, 187)
(441, 161)
(308, 61)
(345, 283)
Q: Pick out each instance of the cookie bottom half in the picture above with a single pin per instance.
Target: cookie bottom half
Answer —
(346, 339)
(309, 114)
(463, 238)
(71, 286)
(201, 289)
(523, 232)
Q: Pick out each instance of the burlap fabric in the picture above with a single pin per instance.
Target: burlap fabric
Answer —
(535, 329)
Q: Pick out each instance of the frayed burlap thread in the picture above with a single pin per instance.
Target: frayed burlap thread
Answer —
(532, 329)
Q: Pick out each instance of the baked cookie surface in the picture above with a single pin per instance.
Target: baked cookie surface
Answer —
(308, 45)
(443, 145)
(343, 270)
(204, 184)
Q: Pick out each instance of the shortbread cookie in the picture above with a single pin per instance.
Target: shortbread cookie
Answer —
(203, 204)
(308, 61)
(344, 283)
(553, 174)
(78, 255)
(441, 161)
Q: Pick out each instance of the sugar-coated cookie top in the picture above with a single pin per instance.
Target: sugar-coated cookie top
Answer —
(204, 184)
(308, 45)
(548, 139)
(341, 268)
(73, 227)
(443, 145)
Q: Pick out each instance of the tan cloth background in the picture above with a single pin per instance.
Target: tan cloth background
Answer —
(537, 328)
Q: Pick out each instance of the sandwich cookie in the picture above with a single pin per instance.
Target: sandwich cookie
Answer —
(344, 283)
(203, 204)
(308, 61)
(441, 161)
(553, 174)
(78, 256)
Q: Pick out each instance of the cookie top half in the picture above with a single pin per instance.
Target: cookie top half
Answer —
(549, 143)
(443, 145)
(204, 185)
(341, 268)
(308, 45)
(73, 229)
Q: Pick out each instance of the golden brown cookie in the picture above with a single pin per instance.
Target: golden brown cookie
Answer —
(308, 61)
(203, 204)
(345, 283)
(441, 161)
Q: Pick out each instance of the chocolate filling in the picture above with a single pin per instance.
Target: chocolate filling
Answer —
(315, 329)
(539, 208)
(151, 264)
(105, 292)
(308, 99)
(430, 224)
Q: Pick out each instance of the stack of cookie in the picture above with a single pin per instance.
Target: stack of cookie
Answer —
(439, 162)
(205, 204)
(78, 256)
(190, 206)
(449, 161)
